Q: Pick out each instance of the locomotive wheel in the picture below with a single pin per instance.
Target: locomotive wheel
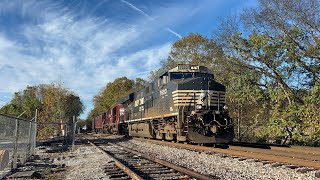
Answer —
(160, 135)
(169, 136)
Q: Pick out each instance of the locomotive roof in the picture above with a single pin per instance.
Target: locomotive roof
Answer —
(187, 68)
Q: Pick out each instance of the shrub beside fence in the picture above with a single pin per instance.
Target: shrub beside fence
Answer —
(18, 138)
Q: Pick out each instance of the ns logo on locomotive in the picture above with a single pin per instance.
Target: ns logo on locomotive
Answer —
(182, 104)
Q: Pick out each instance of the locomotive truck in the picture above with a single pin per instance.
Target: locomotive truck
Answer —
(182, 104)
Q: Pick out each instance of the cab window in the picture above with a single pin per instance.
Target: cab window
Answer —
(163, 80)
(204, 75)
(181, 75)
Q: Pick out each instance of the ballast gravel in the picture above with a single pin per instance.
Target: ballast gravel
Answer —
(86, 162)
(216, 165)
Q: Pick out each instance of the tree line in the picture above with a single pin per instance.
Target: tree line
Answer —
(269, 59)
(111, 93)
(55, 104)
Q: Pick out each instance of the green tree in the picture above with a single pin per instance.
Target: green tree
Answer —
(139, 83)
(25, 102)
(112, 93)
(73, 106)
(281, 46)
(53, 102)
(194, 49)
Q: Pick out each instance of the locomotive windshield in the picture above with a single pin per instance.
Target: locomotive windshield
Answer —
(206, 75)
(185, 75)
(181, 75)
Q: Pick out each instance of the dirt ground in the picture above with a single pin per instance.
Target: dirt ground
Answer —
(85, 162)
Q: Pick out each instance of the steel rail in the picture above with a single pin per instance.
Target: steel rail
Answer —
(249, 154)
(165, 163)
(121, 166)
(150, 158)
(274, 152)
(300, 149)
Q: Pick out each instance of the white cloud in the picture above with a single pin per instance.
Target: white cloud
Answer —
(84, 53)
(147, 58)
(149, 17)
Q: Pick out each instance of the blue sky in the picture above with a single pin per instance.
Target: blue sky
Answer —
(85, 44)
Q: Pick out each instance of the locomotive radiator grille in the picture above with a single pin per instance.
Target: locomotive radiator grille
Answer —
(188, 97)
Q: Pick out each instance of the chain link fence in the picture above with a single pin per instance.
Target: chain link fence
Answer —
(70, 135)
(70, 130)
(57, 136)
(17, 142)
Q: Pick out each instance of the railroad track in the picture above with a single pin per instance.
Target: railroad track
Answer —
(307, 160)
(130, 164)
(256, 145)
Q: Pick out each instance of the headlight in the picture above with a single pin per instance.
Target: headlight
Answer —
(199, 106)
(194, 67)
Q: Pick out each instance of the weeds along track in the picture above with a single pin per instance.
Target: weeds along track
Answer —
(130, 164)
(296, 157)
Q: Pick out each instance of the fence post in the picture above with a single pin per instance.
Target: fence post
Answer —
(73, 131)
(29, 146)
(15, 147)
(35, 132)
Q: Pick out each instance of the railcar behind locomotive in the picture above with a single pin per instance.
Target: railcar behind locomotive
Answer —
(111, 122)
(182, 104)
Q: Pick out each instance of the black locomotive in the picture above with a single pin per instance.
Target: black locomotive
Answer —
(182, 104)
